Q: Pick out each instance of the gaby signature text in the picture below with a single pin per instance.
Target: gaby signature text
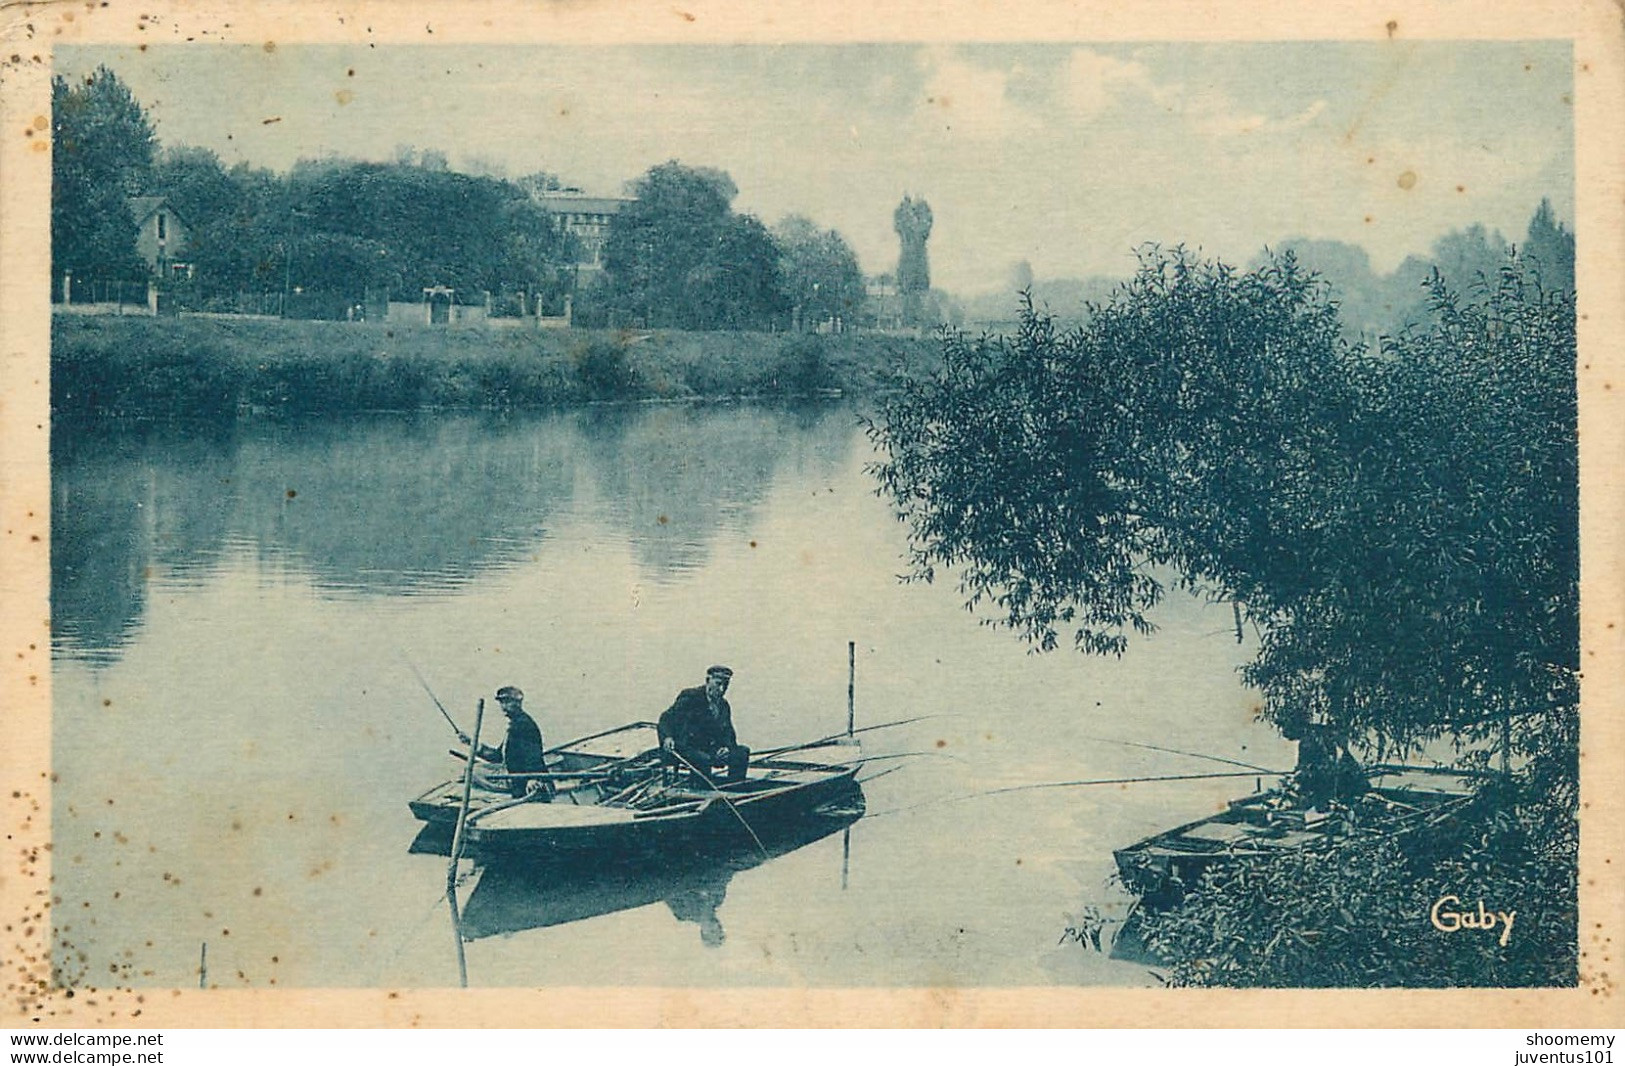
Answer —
(1447, 918)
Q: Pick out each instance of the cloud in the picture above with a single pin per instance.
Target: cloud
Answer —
(1217, 116)
(1093, 82)
(971, 97)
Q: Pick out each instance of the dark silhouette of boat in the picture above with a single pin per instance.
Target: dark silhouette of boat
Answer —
(689, 873)
(1402, 800)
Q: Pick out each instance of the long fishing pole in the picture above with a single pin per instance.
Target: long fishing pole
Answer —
(444, 713)
(836, 737)
(1113, 781)
(707, 777)
(1177, 751)
(1065, 784)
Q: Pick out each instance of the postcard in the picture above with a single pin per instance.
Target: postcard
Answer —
(681, 515)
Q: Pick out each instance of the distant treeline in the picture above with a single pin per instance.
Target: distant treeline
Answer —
(1369, 304)
(139, 366)
(347, 230)
(1469, 261)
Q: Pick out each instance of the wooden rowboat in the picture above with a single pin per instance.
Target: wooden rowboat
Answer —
(1402, 800)
(577, 765)
(612, 793)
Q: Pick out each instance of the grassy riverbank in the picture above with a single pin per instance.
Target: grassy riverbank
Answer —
(194, 367)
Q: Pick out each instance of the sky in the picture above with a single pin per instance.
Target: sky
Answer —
(1066, 156)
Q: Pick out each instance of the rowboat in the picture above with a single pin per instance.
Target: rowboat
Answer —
(1160, 869)
(612, 794)
(526, 891)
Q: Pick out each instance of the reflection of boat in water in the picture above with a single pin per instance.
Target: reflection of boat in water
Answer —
(1402, 800)
(690, 874)
(612, 795)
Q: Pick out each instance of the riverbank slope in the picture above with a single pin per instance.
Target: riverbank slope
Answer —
(202, 367)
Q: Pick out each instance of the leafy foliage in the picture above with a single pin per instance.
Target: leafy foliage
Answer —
(1400, 524)
(678, 256)
(820, 271)
(1359, 916)
(102, 153)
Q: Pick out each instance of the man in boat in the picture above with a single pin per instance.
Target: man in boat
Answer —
(521, 750)
(697, 730)
(1327, 772)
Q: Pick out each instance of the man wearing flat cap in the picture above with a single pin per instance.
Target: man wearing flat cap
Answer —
(521, 750)
(697, 730)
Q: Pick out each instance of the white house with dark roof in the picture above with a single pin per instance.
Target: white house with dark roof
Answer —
(162, 238)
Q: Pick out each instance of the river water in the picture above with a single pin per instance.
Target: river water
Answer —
(239, 612)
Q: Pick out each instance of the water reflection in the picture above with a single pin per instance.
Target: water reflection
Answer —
(674, 477)
(690, 877)
(400, 505)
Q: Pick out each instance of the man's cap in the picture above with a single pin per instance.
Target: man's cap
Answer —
(719, 671)
(509, 692)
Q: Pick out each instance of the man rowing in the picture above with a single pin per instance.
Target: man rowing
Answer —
(697, 730)
(521, 750)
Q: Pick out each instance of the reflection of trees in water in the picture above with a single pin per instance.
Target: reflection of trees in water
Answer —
(402, 504)
(121, 504)
(673, 478)
(397, 504)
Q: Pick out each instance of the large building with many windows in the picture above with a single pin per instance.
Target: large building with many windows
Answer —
(586, 218)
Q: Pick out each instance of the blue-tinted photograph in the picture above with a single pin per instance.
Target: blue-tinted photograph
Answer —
(868, 515)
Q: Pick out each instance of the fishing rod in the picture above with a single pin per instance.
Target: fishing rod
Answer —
(883, 773)
(1065, 784)
(1177, 751)
(707, 777)
(1114, 781)
(444, 713)
(835, 738)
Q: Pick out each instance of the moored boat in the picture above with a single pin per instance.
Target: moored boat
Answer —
(1160, 869)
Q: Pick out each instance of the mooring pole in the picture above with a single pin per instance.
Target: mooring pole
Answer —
(457, 842)
(851, 683)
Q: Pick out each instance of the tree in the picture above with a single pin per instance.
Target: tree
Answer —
(213, 206)
(102, 154)
(912, 220)
(196, 185)
(677, 256)
(1550, 247)
(1401, 525)
(820, 271)
(408, 227)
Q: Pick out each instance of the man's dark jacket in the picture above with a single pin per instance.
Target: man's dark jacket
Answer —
(521, 751)
(690, 723)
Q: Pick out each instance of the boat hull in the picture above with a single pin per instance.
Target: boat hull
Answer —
(612, 793)
(1162, 869)
(693, 817)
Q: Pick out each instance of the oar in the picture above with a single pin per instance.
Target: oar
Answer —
(835, 738)
(594, 736)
